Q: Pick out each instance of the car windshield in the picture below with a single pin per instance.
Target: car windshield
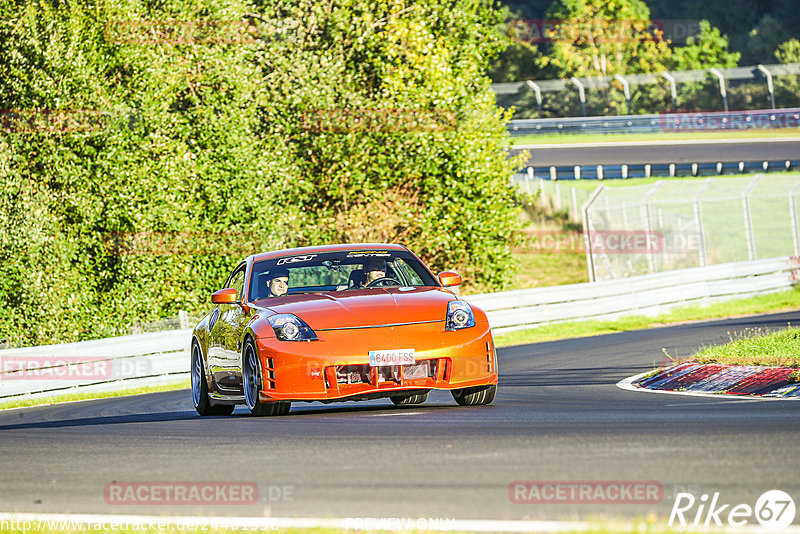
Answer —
(337, 271)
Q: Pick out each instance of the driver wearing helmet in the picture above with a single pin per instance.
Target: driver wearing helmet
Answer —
(374, 269)
(277, 282)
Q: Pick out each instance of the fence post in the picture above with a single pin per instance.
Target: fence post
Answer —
(626, 89)
(795, 222)
(651, 258)
(529, 179)
(625, 214)
(768, 75)
(673, 90)
(581, 94)
(544, 197)
(748, 221)
(722, 91)
(698, 216)
(575, 211)
(558, 197)
(587, 230)
(538, 91)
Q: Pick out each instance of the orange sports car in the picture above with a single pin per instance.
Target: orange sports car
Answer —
(339, 323)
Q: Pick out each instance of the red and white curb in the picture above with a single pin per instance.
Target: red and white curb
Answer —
(718, 381)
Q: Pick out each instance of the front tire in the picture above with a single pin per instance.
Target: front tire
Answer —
(253, 379)
(410, 399)
(475, 396)
(200, 388)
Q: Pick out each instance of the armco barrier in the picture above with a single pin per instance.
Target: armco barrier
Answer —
(639, 295)
(703, 121)
(98, 365)
(130, 361)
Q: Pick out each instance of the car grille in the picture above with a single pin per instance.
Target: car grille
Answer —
(269, 374)
(364, 374)
(352, 374)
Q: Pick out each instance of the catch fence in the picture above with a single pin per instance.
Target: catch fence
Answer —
(678, 224)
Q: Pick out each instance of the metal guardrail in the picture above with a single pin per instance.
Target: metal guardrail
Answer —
(146, 359)
(749, 72)
(757, 73)
(99, 365)
(638, 295)
(649, 170)
(665, 122)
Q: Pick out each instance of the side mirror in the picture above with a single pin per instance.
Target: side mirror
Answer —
(450, 278)
(224, 296)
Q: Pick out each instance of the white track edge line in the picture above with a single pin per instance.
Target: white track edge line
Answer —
(348, 524)
(274, 523)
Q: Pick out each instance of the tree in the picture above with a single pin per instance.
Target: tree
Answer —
(787, 88)
(146, 147)
(601, 38)
(393, 129)
(763, 41)
(707, 49)
(788, 52)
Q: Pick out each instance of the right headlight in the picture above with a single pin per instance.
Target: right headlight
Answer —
(289, 327)
(459, 315)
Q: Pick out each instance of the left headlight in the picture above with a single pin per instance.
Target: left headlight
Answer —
(459, 315)
(289, 327)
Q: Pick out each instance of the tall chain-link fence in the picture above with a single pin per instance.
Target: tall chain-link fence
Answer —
(675, 224)
(553, 196)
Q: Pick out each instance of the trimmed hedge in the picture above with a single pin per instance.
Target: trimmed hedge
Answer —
(146, 147)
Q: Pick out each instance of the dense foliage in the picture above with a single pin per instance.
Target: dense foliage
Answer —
(146, 147)
(597, 38)
(754, 28)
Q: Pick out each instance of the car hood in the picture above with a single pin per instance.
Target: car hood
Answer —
(365, 307)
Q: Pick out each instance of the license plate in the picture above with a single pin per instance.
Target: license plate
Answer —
(379, 358)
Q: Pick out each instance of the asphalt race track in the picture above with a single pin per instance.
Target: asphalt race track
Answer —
(558, 417)
(658, 152)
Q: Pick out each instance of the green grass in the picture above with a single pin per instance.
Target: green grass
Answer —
(663, 136)
(71, 397)
(756, 347)
(774, 302)
(540, 270)
(591, 185)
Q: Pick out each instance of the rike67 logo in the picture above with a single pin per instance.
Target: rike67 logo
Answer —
(773, 510)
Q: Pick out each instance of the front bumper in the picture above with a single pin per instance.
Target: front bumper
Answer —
(336, 366)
